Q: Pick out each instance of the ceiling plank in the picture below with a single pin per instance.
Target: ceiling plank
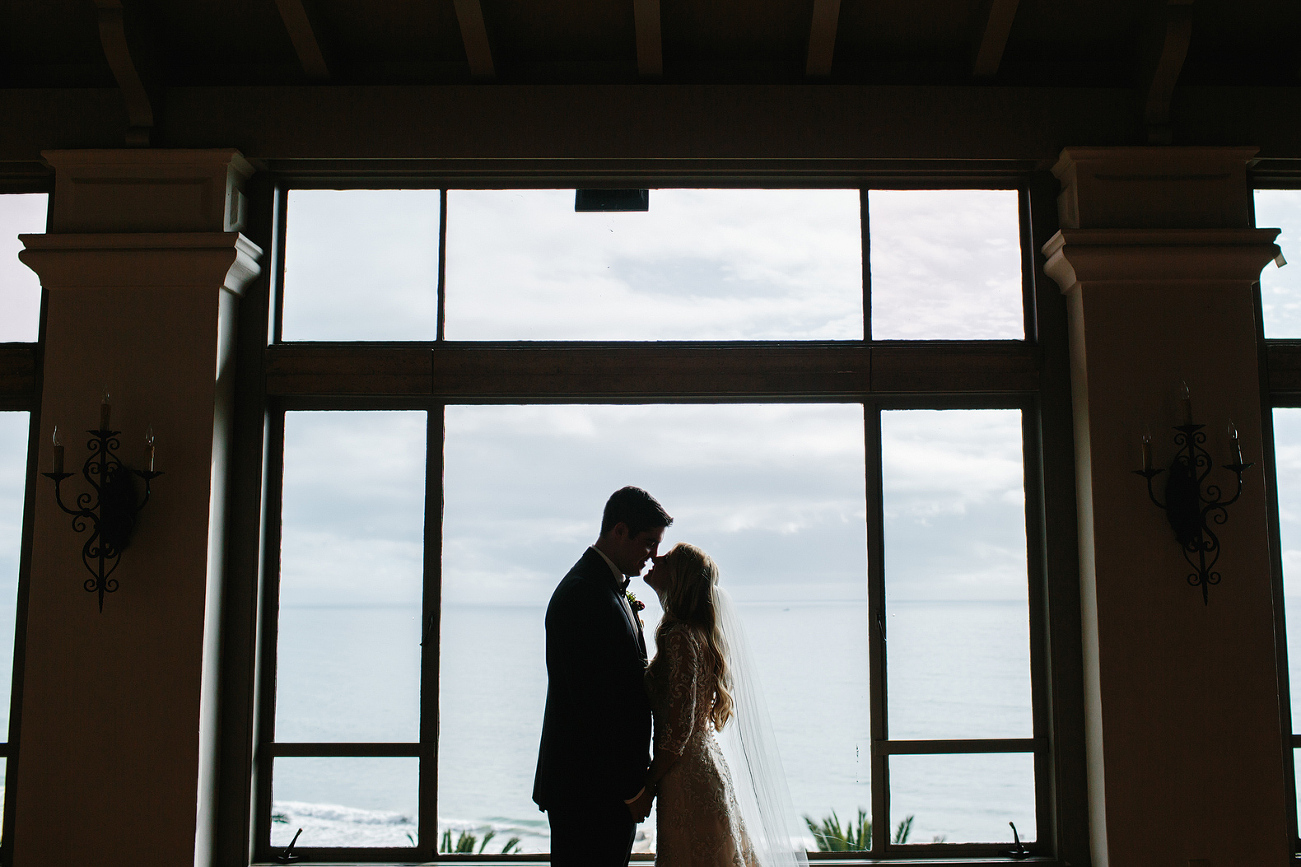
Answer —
(822, 38)
(1173, 35)
(474, 33)
(306, 37)
(112, 36)
(650, 51)
(993, 37)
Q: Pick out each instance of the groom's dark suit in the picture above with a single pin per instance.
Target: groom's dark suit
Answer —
(597, 725)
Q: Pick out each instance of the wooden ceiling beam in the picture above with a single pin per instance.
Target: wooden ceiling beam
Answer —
(1169, 48)
(305, 34)
(992, 37)
(822, 38)
(474, 33)
(117, 51)
(650, 50)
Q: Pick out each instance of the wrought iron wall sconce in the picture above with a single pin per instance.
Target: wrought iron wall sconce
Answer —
(1190, 505)
(110, 512)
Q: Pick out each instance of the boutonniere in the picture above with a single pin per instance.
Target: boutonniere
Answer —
(636, 604)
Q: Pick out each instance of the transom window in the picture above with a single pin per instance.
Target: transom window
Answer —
(461, 377)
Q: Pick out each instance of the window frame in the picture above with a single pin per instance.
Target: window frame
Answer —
(20, 391)
(1030, 375)
(1280, 388)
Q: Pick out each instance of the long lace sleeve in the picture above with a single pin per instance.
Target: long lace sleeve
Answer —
(680, 688)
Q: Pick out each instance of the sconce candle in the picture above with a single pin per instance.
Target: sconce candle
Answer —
(1237, 445)
(149, 447)
(58, 451)
(1187, 402)
(1147, 451)
(105, 413)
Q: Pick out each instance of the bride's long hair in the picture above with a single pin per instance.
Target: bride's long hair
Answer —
(689, 597)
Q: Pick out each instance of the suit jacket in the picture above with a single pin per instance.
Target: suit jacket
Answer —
(597, 725)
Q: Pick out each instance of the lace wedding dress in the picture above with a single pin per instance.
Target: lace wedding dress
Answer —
(698, 823)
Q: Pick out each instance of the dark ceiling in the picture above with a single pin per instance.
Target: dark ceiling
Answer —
(61, 43)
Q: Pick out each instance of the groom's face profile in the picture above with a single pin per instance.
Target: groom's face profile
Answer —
(628, 551)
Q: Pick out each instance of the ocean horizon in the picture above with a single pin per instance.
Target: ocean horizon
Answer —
(351, 673)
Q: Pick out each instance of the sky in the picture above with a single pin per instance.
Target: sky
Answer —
(776, 493)
(699, 265)
(1280, 287)
(20, 290)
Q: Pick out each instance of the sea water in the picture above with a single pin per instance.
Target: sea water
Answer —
(960, 669)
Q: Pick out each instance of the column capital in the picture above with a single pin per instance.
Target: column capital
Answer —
(1158, 256)
(148, 190)
(1154, 187)
(202, 260)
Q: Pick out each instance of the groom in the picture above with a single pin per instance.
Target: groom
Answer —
(596, 729)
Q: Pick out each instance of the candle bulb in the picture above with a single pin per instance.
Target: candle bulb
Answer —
(1147, 452)
(58, 451)
(1187, 402)
(105, 413)
(149, 447)
(1237, 445)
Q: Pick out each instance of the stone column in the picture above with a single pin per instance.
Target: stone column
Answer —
(1183, 738)
(143, 265)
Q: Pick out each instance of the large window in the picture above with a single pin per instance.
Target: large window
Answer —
(20, 306)
(832, 390)
(1280, 292)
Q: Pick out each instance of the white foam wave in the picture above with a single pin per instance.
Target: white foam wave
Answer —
(328, 825)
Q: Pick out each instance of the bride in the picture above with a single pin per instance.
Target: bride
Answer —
(702, 690)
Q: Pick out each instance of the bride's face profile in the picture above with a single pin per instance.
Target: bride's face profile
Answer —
(658, 576)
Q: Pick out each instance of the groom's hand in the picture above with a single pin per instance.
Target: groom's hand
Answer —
(640, 806)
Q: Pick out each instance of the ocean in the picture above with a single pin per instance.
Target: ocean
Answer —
(956, 669)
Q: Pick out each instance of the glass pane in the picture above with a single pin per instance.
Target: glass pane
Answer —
(964, 798)
(774, 493)
(958, 628)
(348, 657)
(1280, 288)
(1287, 462)
(361, 265)
(699, 265)
(345, 801)
(946, 265)
(20, 289)
(13, 476)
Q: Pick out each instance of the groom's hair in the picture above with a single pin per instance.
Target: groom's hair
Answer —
(636, 508)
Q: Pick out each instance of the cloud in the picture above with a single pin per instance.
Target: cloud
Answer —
(946, 264)
(1280, 288)
(361, 265)
(954, 504)
(700, 264)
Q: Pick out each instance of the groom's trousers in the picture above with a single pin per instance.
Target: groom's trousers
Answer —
(600, 835)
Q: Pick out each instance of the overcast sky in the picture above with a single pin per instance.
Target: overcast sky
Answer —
(1280, 288)
(20, 290)
(699, 265)
(774, 492)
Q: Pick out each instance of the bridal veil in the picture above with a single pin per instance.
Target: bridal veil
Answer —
(751, 751)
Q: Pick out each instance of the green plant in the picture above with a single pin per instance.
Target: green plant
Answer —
(854, 837)
(465, 843)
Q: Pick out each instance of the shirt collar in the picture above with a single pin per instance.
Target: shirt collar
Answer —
(619, 577)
